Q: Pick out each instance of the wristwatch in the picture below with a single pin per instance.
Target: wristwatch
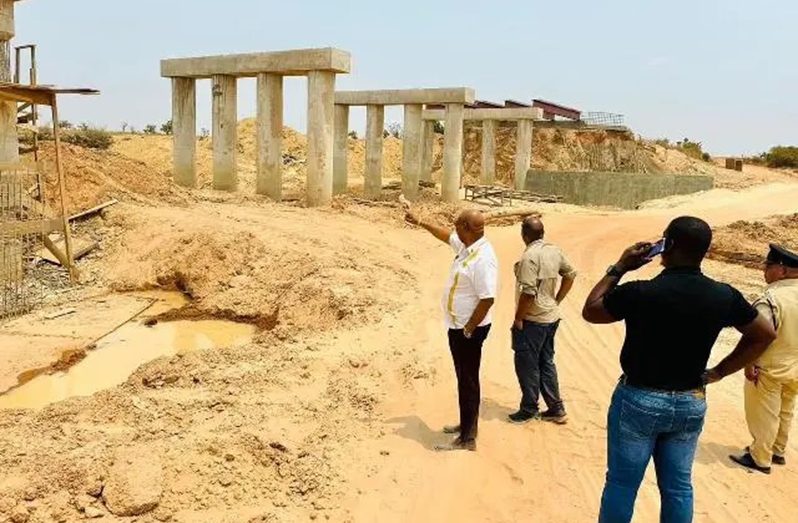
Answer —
(614, 272)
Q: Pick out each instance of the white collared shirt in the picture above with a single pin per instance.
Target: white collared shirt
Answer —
(474, 276)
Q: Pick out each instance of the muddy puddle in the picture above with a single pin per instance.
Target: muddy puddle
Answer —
(118, 354)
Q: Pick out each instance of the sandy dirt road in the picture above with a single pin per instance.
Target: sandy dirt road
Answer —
(542, 472)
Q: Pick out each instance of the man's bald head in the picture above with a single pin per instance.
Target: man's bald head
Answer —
(532, 229)
(470, 225)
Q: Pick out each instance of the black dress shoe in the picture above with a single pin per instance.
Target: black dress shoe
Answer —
(523, 417)
(748, 462)
(779, 460)
(458, 444)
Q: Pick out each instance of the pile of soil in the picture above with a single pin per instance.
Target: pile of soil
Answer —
(746, 242)
(267, 265)
(93, 177)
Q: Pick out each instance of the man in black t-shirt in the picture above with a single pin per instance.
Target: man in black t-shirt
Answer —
(672, 322)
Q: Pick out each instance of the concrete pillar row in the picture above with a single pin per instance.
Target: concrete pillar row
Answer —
(184, 131)
(523, 153)
(225, 132)
(321, 123)
(269, 179)
(412, 150)
(340, 163)
(375, 126)
(489, 151)
(428, 150)
(452, 153)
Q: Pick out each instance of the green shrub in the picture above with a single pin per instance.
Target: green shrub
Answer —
(167, 127)
(89, 137)
(150, 129)
(782, 156)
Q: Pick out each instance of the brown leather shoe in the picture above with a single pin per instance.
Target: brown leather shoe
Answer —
(458, 444)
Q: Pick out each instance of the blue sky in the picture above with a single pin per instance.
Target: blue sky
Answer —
(721, 72)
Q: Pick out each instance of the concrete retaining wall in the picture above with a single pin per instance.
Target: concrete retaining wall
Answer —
(625, 190)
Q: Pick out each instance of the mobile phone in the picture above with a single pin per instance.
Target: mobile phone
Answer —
(656, 249)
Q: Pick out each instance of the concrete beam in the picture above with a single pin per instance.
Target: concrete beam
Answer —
(428, 151)
(340, 164)
(269, 179)
(489, 151)
(298, 62)
(523, 153)
(412, 150)
(184, 130)
(521, 113)
(457, 95)
(452, 153)
(225, 132)
(321, 122)
(375, 126)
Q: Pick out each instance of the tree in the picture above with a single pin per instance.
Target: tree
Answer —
(437, 127)
(166, 128)
(204, 133)
(150, 129)
(782, 156)
(65, 124)
(395, 129)
(125, 125)
(353, 135)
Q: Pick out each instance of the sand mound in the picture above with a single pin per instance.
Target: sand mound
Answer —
(93, 177)
(746, 242)
(281, 268)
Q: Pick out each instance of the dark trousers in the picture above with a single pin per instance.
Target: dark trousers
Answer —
(467, 356)
(534, 366)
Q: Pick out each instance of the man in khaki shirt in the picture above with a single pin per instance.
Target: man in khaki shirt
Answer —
(538, 294)
(771, 387)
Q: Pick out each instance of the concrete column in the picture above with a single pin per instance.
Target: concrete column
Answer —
(184, 130)
(321, 101)
(411, 150)
(523, 153)
(269, 179)
(225, 136)
(452, 153)
(489, 151)
(428, 151)
(375, 126)
(9, 147)
(340, 165)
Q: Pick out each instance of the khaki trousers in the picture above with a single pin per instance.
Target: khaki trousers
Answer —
(769, 409)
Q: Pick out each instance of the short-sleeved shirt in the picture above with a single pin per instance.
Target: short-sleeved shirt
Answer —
(538, 274)
(672, 322)
(473, 276)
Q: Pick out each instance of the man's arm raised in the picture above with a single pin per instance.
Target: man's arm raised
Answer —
(442, 233)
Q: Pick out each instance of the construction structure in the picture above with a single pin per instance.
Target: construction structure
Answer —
(490, 115)
(319, 65)
(414, 139)
(9, 146)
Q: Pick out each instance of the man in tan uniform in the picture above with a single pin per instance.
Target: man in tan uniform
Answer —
(544, 278)
(771, 386)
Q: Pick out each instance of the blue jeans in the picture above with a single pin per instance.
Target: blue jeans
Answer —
(534, 366)
(644, 423)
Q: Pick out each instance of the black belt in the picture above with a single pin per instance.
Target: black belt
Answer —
(624, 380)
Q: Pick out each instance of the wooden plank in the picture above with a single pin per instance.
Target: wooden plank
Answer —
(55, 250)
(93, 210)
(56, 256)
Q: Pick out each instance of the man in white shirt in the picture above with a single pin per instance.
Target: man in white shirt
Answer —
(468, 297)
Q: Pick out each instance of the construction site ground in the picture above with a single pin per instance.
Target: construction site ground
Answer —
(331, 409)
